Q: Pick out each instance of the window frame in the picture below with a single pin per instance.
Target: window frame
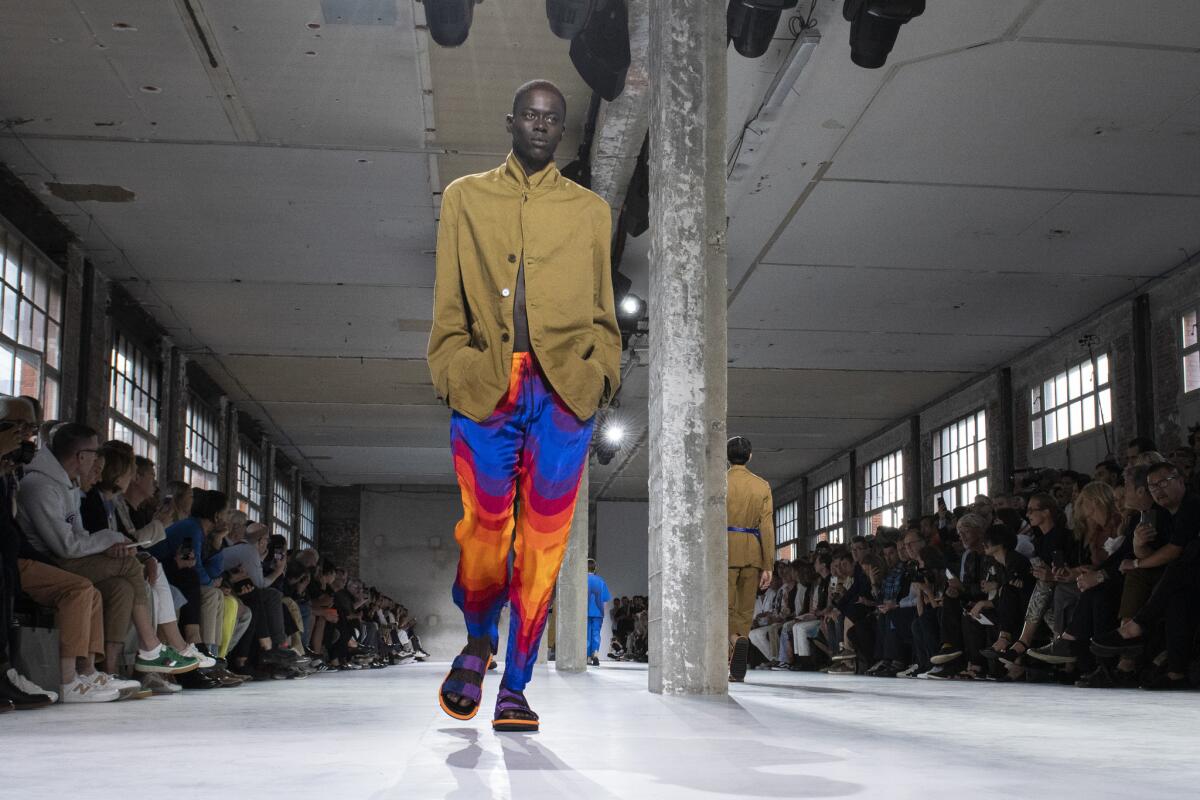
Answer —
(34, 288)
(134, 371)
(1078, 403)
(1189, 348)
(307, 534)
(787, 527)
(201, 444)
(249, 479)
(284, 500)
(883, 491)
(970, 481)
(829, 512)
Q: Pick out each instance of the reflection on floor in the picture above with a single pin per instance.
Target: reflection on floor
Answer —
(780, 735)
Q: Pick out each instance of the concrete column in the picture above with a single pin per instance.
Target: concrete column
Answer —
(72, 402)
(268, 483)
(570, 603)
(688, 540)
(297, 499)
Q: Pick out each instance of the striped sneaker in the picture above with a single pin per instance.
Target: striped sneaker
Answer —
(168, 661)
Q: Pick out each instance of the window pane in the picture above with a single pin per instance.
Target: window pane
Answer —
(10, 313)
(1048, 393)
(1064, 422)
(1076, 417)
(6, 371)
(981, 457)
(1105, 405)
(50, 399)
(55, 300)
(1191, 371)
(1101, 370)
(25, 323)
(1189, 329)
(1060, 389)
(1035, 401)
(29, 374)
(1036, 433)
(981, 424)
(38, 327)
(40, 288)
(1051, 428)
(1073, 383)
(1089, 413)
(1088, 375)
(53, 342)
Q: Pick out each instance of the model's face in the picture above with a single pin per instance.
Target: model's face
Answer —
(537, 126)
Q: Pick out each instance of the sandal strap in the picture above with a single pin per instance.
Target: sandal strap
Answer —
(471, 691)
(508, 700)
(470, 663)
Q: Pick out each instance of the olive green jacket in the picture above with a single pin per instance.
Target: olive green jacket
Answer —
(748, 504)
(489, 222)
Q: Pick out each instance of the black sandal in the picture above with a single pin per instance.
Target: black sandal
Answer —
(508, 703)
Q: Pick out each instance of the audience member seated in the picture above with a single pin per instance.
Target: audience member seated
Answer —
(49, 513)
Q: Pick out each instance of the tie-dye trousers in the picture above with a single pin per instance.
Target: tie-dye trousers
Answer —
(519, 472)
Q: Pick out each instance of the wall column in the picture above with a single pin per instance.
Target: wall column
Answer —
(688, 539)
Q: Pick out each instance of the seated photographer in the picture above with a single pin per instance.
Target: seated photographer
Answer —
(49, 514)
(929, 583)
(243, 561)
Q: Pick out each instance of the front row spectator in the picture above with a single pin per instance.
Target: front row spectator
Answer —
(49, 513)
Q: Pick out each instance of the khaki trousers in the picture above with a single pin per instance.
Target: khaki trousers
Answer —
(743, 589)
(78, 609)
(121, 584)
(212, 614)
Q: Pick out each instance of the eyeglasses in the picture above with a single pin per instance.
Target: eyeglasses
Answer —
(1162, 484)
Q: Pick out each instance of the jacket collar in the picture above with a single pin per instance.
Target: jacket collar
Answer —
(513, 174)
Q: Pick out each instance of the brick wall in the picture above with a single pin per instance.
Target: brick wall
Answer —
(339, 521)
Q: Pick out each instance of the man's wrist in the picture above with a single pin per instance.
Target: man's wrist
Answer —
(1137, 563)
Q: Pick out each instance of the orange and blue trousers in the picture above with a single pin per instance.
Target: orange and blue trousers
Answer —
(519, 472)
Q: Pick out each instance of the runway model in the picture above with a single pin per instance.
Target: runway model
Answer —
(751, 524)
(524, 349)
(598, 595)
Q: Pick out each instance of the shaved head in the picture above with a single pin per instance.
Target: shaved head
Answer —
(533, 85)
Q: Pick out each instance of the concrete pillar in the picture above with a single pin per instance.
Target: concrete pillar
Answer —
(570, 603)
(72, 402)
(688, 539)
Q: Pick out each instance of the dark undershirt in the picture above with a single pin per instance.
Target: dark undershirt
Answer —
(520, 319)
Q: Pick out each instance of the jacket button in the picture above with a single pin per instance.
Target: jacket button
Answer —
(512, 259)
(504, 337)
(505, 292)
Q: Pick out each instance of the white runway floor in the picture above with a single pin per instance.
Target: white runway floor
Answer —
(380, 735)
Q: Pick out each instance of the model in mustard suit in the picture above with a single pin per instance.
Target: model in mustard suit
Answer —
(751, 521)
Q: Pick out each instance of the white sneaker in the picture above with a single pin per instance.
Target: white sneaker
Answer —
(420, 655)
(158, 683)
(106, 680)
(81, 690)
(205, 661)
(28, 686)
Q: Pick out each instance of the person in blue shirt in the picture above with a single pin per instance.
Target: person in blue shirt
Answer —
(598, 595)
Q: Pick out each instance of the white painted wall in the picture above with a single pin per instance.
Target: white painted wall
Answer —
(622, 551)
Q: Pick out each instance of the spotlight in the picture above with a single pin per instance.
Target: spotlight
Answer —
(632, 306)
(874, 26)
(600, 52)
(614, 434)
(751, 24)
(568, 17)
(449, 21)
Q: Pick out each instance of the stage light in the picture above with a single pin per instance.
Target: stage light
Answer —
(600, 52)
(874, 26)
(614, 434)
(449, 21)
(568, 17)
(632, 306)
(751, 24)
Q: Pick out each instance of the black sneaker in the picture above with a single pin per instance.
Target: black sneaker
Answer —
(21, 700)
(279, 656)
(594, 661)
(1059, 651)
(1113, 644)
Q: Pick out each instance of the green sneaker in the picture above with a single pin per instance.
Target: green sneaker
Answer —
(169, 661)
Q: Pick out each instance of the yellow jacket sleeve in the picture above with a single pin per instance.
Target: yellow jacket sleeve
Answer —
(451, 328)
